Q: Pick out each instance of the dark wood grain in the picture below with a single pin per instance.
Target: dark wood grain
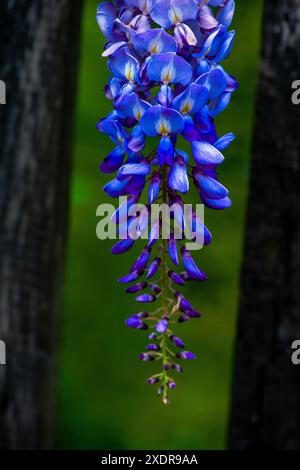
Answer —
(266, 385)
(39, 49)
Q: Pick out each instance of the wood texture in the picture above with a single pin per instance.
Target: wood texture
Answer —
(266, 386)
(39, 48)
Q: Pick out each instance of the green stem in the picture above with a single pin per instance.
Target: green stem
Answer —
(164, 293)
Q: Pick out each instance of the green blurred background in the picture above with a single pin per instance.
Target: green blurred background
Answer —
(104, 402)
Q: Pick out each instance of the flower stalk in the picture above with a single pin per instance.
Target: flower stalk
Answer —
(167, 81)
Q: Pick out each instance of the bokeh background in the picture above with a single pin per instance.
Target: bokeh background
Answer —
(104, 402)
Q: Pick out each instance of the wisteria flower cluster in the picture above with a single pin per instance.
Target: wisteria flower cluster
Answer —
(167, 86)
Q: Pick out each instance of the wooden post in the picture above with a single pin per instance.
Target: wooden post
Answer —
(266, 385)
(39, 49)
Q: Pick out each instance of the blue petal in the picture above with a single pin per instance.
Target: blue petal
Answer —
(161, 121)
(169, 68)
(214, 81)
(143, 5)
(170, 12)
(218, 204)
(122, 246)
(131, 106)
(206, 18)
(178, 179)
(223, 142)
(154, 41)
(206, 154)
(131, 277)
(165, 151)
(204, 121)
(210, 187)
(113, 161)
(134, 169)
(162, 326)
(115, 187)
(112, 48)
(173, 251)
(226, 13)
(154, 188)
(207, 46)
(192, 100)
(135, 185)
(226, 47)
(124, 66)
(184, 35)
(191, 267)
(136, 141)
(165, 96)
(113, 129)
(142, 260)
(145, 298)
(219, 104)
(153, 267)
(106, 14)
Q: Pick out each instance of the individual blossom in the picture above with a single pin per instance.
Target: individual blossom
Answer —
(167, 84)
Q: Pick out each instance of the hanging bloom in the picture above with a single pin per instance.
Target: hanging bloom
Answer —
(168, 81)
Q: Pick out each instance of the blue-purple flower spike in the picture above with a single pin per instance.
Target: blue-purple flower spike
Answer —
(167, 81)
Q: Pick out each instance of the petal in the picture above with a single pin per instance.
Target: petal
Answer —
(186, 355)
(226, 13)
(214, 81)
(206, 18)
(169, 12)
(122, 246)
(191, 267)
(173, 251)
(206, 154)
(115, 187)
(162, 326)
(192, 100)
(135, 185)
(153, 267)
(113, 129)
(221, 103)
(124, 66)
(165, 151)
(112, 48)
(154, 188)
(217, 204)
(134, 169)
(165, 96)
(142, 260)
(226, 47)
(161, 121)
(136, 142)
(178, 179)
(113, 161)
(223, 142)
(210, 187)
(131, 106)
(169, 68)
(184, 35)
(131, 277)
(154, 41)
(176, 278)
(106, 14)
(145, 298)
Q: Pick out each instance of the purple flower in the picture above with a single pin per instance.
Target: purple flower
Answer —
(162, 326)
(186, 355)
(168, 83)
